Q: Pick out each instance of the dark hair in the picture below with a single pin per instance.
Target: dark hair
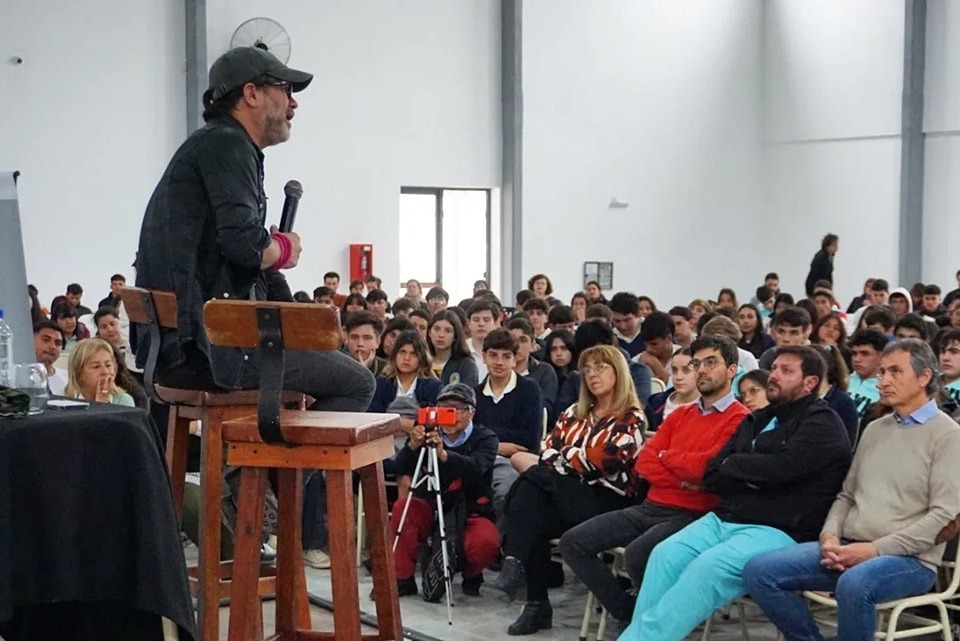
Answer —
(791, 316)
(624, 303)
(657, 325)
(680, 310)
(807, 305)
(501, 339)
(375, 295)
(522, 324)
(358, 319)
(126, 381)
(523, 296)
(410, 337)
(75, 289)
(403, 304)
(119, 277)
(946, 337)
(560, 315)
(705, 318)
(879, 285)
(823, 292)
(489, 296)
(399, 323)
(566, 337)
(870, 337)
(36, 309)
(828, 240)
(355, 283)
(771, 275)
(459, 347)
(841, 340)
(837, 373)
(758, 376)
(784, 297)
(913, 321)
(373, 279)
(653, 305)
(438, 292)
(484, 305)
(535, 304)
(537, 277)
(880, 314)
(931, 290)
(590, 334)
(729, 292)
(302, 297)
(461, 313)
(354, 299)
(811, 362)
(598, 310)
(220, 108)
(323, 290)
(332, 275)
(579, 295)
(726, 347)
(419, 312)
(46, 324)
(106, 310)
(63, 309)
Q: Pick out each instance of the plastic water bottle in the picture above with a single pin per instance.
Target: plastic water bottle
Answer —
(6, 353)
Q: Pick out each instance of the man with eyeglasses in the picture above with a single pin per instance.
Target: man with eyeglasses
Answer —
(465, 454)
(776, 479)
(203, 237)
(672, 462)
(790, 326)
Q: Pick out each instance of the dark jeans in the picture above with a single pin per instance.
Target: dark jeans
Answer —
(638, 528)
(336, 381)
(533, 519)
(774, 579)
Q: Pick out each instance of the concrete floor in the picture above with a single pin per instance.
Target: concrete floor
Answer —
(486, 619)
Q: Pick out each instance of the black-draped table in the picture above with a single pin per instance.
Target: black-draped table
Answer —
(89, 543)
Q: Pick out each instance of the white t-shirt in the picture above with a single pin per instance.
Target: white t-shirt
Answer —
(57, 382)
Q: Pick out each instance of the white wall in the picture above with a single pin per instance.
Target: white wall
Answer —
(655, 103)
(942, 163)
(832, 101)
(405, 94)
(90, 118)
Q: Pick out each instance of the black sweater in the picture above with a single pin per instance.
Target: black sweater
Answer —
(821, 268)
(786, 477)
(518, 417)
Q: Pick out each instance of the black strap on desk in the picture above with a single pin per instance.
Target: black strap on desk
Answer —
(271, 374)
(153, 353)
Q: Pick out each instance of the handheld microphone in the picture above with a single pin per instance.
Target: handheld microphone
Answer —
(293, 191)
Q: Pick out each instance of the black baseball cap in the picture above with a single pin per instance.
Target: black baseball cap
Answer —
(245, 64)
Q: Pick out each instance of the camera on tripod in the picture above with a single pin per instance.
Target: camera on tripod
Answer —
(434, 417)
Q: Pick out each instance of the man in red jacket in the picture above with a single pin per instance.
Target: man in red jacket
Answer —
(672, 462)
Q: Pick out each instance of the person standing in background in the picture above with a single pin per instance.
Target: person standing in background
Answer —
(821, 267)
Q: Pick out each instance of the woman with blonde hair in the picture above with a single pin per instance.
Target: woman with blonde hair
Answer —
(585, 468)
(92, 371)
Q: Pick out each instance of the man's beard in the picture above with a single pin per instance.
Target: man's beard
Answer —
(275, 129)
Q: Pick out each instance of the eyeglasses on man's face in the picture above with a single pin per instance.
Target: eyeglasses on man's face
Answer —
(710, 362)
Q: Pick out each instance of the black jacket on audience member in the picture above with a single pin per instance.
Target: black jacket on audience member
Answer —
(786, 477)
(469, 469)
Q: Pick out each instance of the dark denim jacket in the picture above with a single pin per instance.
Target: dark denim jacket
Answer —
(203, 234)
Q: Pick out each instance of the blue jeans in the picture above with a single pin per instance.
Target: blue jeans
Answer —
(694, 572)
(773, 580)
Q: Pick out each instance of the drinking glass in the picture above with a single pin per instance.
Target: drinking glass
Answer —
(31, 378)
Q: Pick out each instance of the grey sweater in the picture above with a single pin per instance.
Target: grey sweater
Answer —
(902, 488)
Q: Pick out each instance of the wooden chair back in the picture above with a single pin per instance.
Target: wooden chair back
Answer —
(153, 310)
(271, 327)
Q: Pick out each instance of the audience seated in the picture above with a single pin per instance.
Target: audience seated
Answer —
(561, 351)
(511, 406)
(656, 333)
(585, 469)
(92, 374)
(672, 463)
(540, 285)
(683, 392)
(537, 310)
(752, 390)
(950, 363)
(483, 317)
(65, 316)
(48, 345)
(452, 361)
(363, 330)
(391, 331)
(107, 321)
(527, 365)
(885, 534)
(776, 478)
(866, 346)
(683, 333)
(578, 305)
(753, 338)
(626, 320)
(790, 326)
(833, 389)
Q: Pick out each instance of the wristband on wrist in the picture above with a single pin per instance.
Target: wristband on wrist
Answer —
(286, 250)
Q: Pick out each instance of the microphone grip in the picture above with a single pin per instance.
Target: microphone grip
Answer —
(289, 214)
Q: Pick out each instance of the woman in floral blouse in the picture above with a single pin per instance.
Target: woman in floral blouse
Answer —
(585, 468)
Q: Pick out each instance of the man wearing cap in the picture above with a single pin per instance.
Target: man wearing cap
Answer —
(203, 237)
(465, 454)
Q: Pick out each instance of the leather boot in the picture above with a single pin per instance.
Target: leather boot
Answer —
(536, 616)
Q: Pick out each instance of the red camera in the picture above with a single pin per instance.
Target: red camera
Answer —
(431, 417)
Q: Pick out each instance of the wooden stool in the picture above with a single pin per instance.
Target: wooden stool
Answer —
(210, 579)
(337, 442)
